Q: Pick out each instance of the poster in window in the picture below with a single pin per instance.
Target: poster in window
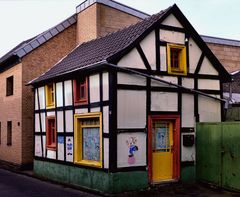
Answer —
(69, 149)
(91, 144)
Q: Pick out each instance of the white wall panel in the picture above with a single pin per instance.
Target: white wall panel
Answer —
(105, 79)
(131, 109)
(43, 121)
(188, 83)
(94, 88)
(163, 58)
(60, 148)
(127, 140)
(41, 92)
(69, 149)
(188, 153)
(209, 109)
(172, 21)
(50, 113)
(81, 110)
(207, 68)
(164, 101)
(208, 84)
(37, 123)
(106, 119)
(69, 120)
(36, 100)
(38, 146)
(51, 154)
(132, 60)
(60, 121)
(194, 55)
(59, 93)
(44, 145)
(95, 109)
(171, 79)
(106, 153)
(131, 79)
(68, 92)
(149, 47)
(172, 36)
(188, 118)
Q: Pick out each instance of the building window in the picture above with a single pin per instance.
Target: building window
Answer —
(9, 86)
(51, 133)
(88, 139)
(177, 63)
(50, 95)
(9, 133)
(81, 91)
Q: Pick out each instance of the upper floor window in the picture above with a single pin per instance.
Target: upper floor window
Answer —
(9, 86)
(81, 91)
(51, 133)
(50, 95)
(177, 63)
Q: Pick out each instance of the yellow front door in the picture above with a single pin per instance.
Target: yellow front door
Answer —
(162, 155)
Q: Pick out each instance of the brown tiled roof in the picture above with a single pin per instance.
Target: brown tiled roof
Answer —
(101, 49)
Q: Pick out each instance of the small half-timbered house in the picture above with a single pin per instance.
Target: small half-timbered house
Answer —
(119, 112)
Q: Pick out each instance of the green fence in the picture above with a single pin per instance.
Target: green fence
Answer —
(218, 154)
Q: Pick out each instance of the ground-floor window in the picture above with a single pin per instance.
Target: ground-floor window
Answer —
(88, 139)
(9, 133)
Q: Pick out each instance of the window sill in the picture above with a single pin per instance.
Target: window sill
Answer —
(81, 102)
(89, 163)
(52, 147)
(50, 106)
(177, 72)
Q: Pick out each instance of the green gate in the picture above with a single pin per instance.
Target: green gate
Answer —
(218, 154)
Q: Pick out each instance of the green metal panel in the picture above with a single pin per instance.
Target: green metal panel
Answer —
(208, 152)
(188, 174)
(231, 156)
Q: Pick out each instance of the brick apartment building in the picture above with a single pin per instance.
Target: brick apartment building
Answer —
(33, 57)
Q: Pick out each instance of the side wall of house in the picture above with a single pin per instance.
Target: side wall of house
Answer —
(10, 110)
(40, 60)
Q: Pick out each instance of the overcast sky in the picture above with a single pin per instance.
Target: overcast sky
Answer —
(23, 19)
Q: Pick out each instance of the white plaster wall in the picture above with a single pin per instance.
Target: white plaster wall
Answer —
(123, 149)
(37, 123)
(44, 145)
(38, 146)
(69, 149)
(69, 120)
(43, 121)
(164, 101)
(94, 87)
(208, 84)
(106, 153)
(130, 79)
(59, 94)
(36, 100)
(60, 148)
(41, 92)
(207, 68)
(81, 110)
(172, 21)
(132, 60)
(188, 118)
(194, 55)
(188, 153)
(50, 113)
(95, 109)
(172, 36)
(188, 83)
(163, 58)
(209, 109)
(171, 79)
(149, 47)
(51, 154)
(105, 80)
(60, 121)
(131, 109)
(68, 93)
(106, 119)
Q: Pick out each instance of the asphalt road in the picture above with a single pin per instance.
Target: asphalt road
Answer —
(17, 185)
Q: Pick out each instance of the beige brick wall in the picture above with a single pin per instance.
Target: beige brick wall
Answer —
(10, 110)
(229, 56)
(99, 20)
(39, 61)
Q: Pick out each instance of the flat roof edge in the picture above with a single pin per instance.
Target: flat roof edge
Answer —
(112, 4)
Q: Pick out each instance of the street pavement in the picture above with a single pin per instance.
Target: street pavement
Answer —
(18, 185)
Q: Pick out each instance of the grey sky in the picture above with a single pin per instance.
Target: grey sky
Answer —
(23, 19)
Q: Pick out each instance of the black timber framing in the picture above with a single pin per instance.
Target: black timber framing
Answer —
(157, 42)
(64, 121)
(113, 120)
(143, 57)
(56, 119)
(172, 28)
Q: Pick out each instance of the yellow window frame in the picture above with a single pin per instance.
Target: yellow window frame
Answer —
(183, 60)
(50, 102)
(78, 138)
